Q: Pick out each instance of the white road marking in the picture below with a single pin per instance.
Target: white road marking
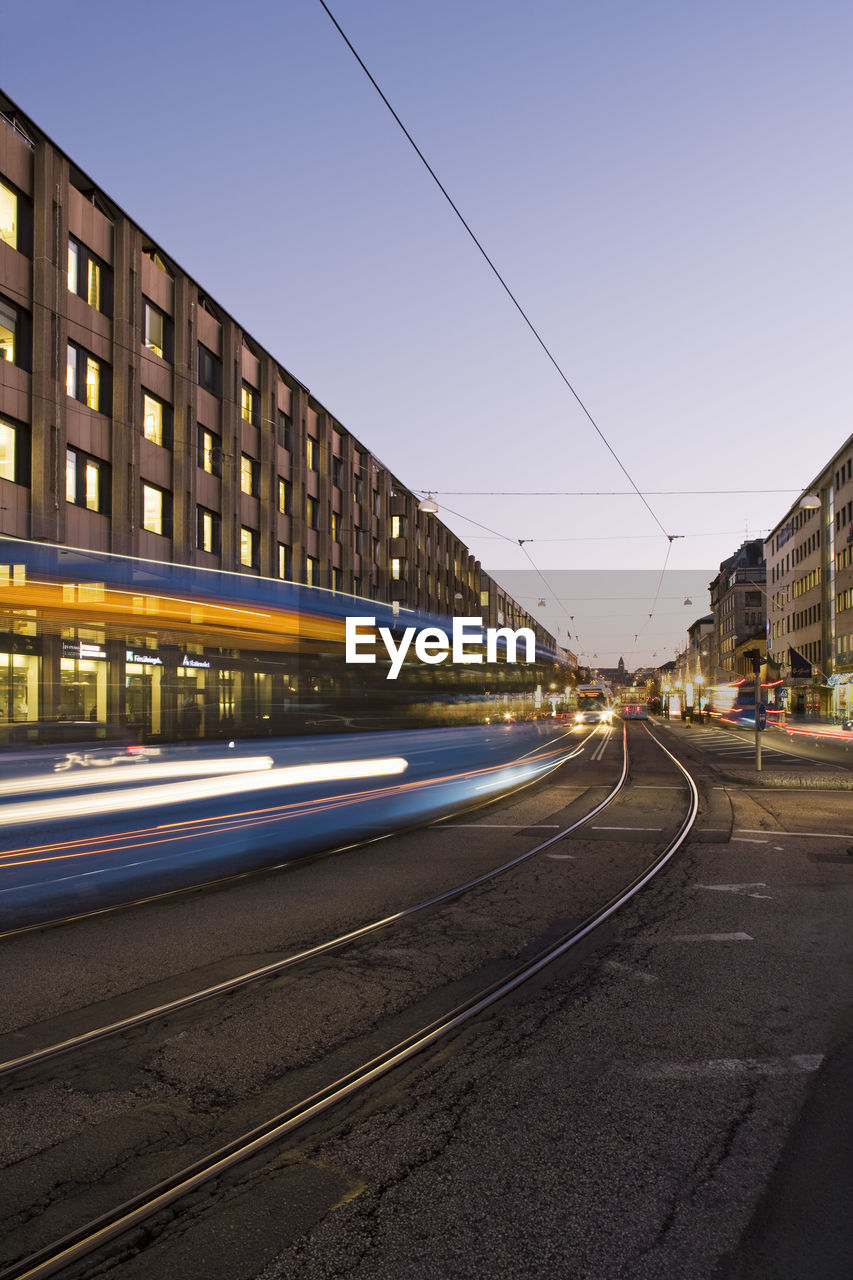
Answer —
(714, 937)
(560, 857)
(736, 888)
(503, 826)
(726, 1068)
(637, 974)
(627, 828)
(816, 835)
(746, 840)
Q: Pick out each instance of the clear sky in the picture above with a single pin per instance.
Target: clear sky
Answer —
(666, 188)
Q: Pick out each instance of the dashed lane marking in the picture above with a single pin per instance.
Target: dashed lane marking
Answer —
(714, 937)
(736, 888)
(726, 1068)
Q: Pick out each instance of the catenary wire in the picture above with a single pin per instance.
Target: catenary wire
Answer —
(497, 273)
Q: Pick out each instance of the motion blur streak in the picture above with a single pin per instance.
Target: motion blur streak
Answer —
(148, 837)
(182, 792)
(141, 772)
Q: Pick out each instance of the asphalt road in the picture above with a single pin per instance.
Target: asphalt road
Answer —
(673, 1103)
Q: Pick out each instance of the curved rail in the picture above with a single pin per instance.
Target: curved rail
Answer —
(13, 1065)
(86, 1240)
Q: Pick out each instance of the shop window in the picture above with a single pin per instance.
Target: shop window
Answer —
(87, 378)
(89, 277)
(284, 495)
(156, 330)
(87, 481)
(19, 687)
(248, 547)
(284, 562)
(209, 371)
(285, 431)
(250, 405)
(156, 509)
(208, 531)
(156, 420)
(14, 334)
(209, 452)
(248, 475)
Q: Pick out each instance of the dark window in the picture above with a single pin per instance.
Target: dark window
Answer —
(338, 472)
(285, 431)
(209, 371)
(311, 512)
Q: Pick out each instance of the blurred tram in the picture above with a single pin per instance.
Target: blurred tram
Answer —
(168, 652)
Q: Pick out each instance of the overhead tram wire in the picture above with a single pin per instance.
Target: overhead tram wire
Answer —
(497, 274)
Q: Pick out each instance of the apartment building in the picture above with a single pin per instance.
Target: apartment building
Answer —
(809, 557)
(139, 419)
(738, 597)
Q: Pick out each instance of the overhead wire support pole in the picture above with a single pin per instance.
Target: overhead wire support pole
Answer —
(495, 271)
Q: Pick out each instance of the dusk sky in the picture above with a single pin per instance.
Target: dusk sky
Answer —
(665, 187)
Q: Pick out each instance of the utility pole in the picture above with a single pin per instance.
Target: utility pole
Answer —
(755, 656)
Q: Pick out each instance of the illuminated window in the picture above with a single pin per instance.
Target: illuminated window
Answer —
(89, 278)
(93, 285)
(8, 442)
(284, 569)
(71, 371)
(87, 378)
(154, 329)
(14, 335)
(247, 546)
(8, 216)
(93, 383)
(93, 486)
(249, 409)
(336, 529)
(283, 497)
(248, 474)
(311, 571)
(311, 453)
(395, 569)
(311, 510)
(73, 266)
(70, 475)
(209, 452)
(208, 531)
(153, 509)
(484, 599)
(87, 481)
(152, 419)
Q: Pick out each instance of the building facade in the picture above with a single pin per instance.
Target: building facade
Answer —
(738, 597)
(138, 419)
(810, 590)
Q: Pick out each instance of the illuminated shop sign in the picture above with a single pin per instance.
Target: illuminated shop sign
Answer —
(190, 661)
(83, 649)
(145, 659)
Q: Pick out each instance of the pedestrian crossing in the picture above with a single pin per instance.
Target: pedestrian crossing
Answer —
(727, 745)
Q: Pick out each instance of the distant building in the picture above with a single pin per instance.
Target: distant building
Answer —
(738, 605)
(809, 557)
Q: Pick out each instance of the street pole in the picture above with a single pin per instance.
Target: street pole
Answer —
(757, 726)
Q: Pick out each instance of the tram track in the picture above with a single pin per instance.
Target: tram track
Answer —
(69, 1248)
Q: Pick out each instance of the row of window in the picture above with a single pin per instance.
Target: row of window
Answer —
(844, 473)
